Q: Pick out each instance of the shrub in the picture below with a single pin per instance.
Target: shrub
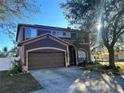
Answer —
(17, 68)
(104, 69)
(92, 62)
(83, 63)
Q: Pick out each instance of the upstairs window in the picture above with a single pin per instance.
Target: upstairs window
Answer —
(64, 33)
(54, 33)
(30, 33)
(61, 34)
(67, 34)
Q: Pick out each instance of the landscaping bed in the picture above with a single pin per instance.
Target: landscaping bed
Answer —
(103, 68)
(19, 83)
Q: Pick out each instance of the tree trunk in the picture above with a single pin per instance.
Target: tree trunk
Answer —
(111, 58)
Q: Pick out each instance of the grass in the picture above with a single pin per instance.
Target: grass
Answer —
(20, 83)
(102, 67)
(118, 64)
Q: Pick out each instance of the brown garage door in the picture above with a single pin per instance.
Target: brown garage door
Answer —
(39, 60)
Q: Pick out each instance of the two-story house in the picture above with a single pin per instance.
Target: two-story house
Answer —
(47, 47)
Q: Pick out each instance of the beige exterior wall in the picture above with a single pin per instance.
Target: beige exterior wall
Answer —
(21, 54)
(121, 55)
(118, 56)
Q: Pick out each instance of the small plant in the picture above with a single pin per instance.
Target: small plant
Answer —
(17, 68)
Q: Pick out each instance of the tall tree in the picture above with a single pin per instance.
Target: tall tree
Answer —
(13, 11)
(12, 51)
(9, 9)
(86, 14)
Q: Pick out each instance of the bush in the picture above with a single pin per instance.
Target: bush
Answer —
(104, 69)
(83, 63)
(92, 62)
(17, 68)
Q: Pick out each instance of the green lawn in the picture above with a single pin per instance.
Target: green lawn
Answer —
(21, 83)
(120, 64)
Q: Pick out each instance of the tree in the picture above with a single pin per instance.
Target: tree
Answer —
(5, 51)
(12, 11)
(87, 13)
(12, 51)
(9, 9)
(78, 40)
(1, 54)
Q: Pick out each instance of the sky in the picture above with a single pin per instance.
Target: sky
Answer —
(51, 15)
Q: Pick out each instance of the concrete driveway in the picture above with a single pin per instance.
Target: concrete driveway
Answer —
(74, 80)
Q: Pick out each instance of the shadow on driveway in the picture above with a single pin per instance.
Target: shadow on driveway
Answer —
(75, 80)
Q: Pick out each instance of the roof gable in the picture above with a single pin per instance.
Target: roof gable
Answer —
(44, 36)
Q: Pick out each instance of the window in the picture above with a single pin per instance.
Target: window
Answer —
(30, 32)
(81, 56)
(56, 33)
(53, 33)
(64, 33)
(68, 34)
(61, 34)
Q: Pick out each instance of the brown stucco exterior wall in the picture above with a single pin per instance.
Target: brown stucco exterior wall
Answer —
(45, 42)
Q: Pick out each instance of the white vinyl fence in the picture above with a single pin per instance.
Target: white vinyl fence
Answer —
(5, 63)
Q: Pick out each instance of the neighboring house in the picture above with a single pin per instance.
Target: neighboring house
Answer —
(104, 56)
(46, 47)
(120, 55)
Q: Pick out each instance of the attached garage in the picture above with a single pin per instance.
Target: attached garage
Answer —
(46, 58)
(45, 52)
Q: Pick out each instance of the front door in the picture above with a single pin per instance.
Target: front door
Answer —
(72, 55)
